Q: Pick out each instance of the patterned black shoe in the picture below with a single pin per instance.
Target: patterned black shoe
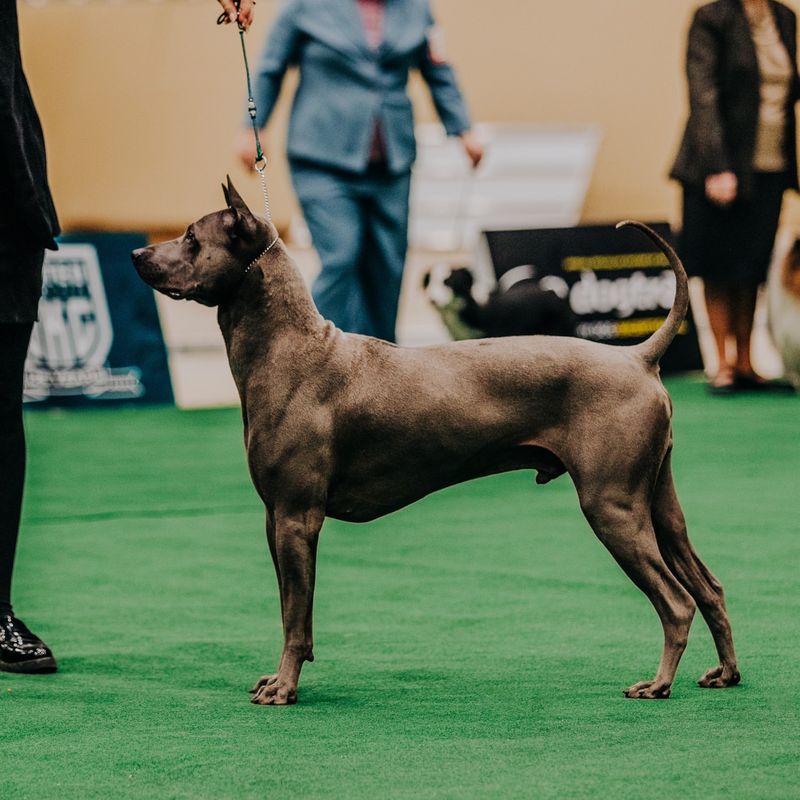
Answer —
(21, 650)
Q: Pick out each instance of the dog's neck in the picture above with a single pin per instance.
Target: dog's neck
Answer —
(270, 307)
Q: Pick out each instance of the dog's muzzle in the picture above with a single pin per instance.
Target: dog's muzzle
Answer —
(151, 275)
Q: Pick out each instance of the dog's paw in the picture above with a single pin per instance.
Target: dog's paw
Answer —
(264, 680)
(276, 692)
(720, 678)
(648, 690)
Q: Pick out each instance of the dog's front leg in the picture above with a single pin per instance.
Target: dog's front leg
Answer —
(273, 550)
(294, 550)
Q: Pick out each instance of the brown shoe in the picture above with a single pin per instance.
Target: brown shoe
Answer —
(751, 382)
(723, 383)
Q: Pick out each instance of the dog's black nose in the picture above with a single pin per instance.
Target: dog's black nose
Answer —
(137, 254)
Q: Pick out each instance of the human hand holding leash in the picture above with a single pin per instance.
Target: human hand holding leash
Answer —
(241, 12)
(245, 148)
(722, 188)
(472, 147)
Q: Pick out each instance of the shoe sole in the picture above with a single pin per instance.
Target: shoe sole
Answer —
(36, 666)
(765, 388)
(724, 390)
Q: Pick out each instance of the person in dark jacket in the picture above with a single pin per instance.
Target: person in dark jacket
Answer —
(28, 225)
(351, 140)
(737, 158)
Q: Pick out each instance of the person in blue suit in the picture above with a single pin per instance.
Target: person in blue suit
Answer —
(351, 140)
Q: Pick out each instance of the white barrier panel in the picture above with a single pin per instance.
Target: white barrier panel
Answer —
(533, 176)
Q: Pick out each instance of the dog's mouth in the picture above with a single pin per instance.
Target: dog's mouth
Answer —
(192, 292)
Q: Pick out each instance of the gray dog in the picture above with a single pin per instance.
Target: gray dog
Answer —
(353, 428)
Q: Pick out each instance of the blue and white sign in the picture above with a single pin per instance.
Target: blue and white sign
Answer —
(98, 337)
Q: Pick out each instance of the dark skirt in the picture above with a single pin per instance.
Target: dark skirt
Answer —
(732, 244)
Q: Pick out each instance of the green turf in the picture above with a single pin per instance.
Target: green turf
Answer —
(473, 645)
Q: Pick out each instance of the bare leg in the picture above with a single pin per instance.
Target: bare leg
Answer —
(720, 308)
(296, 537)
(673, 541)
(623, 525)
(744, 308)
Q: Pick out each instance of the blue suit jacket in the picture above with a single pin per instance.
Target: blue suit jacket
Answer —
(346, 86)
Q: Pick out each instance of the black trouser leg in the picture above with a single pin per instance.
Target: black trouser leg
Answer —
(14, 339)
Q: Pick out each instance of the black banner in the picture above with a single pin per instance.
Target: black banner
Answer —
(619, 285)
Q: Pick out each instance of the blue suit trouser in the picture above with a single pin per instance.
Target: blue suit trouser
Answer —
(359, 227)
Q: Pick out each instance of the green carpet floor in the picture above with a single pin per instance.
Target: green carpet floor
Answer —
(474, 645)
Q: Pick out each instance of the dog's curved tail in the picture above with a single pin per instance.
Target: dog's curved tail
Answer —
(653, 348)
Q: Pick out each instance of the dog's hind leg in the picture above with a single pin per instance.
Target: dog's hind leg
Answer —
(622, 523)
(295, 552)
(677, 550)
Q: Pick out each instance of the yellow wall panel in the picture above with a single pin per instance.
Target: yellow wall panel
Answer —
(140, 100)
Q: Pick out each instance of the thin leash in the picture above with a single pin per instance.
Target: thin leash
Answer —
(260, 164)
(462, 210)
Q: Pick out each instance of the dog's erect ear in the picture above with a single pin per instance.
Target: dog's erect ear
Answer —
(227, 196)
(246, 223)
(235, 199)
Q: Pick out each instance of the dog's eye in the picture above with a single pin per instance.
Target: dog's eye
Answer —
(189, 235)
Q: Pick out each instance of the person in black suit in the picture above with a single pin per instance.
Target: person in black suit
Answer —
(28, 225)
(736, 159)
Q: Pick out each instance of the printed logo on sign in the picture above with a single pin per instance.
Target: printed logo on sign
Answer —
(71, 342)
(623, 298)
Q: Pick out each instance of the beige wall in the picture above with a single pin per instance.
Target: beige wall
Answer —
(140, 100)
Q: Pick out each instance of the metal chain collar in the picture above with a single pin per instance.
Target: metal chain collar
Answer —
(261, 255)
